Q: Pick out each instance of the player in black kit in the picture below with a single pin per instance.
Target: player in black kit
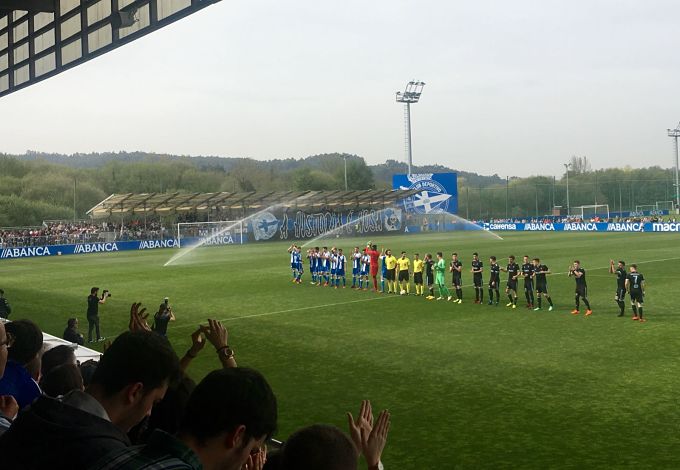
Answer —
(494, 280)
(456, 267)
(620, 272)
(511, 287)
(635, 283)
(477, 269)
(528, 275)
(581, 287)
(540, 270)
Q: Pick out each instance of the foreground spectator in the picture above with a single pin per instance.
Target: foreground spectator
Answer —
(8, 405)
(23, 366)
(57, 356)
(74, 431)
(71, 332)
(5, 309)
(61, 380)
(229, 416)
(318, 447)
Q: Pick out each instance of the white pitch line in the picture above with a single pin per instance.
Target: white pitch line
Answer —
(637, 262)
(377, 298)
(296, 310)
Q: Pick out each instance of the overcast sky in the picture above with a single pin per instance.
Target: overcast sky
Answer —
(513, 87)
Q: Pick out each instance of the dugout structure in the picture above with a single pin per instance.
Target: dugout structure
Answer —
(224, 206)
(41, 38)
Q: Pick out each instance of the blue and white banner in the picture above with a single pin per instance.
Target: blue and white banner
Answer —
(110, 247)
(584, 227)
(438, 192)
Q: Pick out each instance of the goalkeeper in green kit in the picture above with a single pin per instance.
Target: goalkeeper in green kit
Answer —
(440, 270)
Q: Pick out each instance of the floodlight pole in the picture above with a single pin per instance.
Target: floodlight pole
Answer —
(344, 157)
(566, 166)
(675, 133)
(410, 95)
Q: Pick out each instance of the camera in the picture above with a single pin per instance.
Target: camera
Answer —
(106, 293)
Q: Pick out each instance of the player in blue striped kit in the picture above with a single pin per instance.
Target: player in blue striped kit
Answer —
(356, 266)
(295, 263)
(333, 263)
(364, 270)
(340, 270)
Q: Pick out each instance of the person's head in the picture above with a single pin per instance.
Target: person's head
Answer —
(428, 256)
(356, 249)
(94, 291)
(439, 255)
(319, 447)
(536, 261)
(230, 414)
(454, 256)
(87, 369)
(475, 256)
(577, 264)
(388, 252)
(132, 375)
(492, 259)
(62, 379)
(5, 343)
(339, 251)
(2, 293)
(622, 264)
(374, 247)
(325, 248)
(633, 268)
(416, 256)
(525, 259)
(72, 323)
(28, 341)
(511, 259)
(57, 356)
(403, 254)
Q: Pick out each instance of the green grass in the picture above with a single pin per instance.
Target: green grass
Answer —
(469, 386)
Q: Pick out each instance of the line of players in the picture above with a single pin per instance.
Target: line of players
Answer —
(328, 267)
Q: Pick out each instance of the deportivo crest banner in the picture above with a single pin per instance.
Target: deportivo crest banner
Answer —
(439, 192)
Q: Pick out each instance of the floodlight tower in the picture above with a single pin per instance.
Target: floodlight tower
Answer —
(675, 133)
(411, 95)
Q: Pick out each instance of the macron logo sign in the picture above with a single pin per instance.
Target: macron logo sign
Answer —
(95, 248)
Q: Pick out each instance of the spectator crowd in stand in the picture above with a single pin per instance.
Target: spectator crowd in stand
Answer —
(137, 409)
(62, 233)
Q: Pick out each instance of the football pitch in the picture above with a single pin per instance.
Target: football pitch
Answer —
(468, 386)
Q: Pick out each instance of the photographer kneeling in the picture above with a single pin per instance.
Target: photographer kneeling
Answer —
(93, 301)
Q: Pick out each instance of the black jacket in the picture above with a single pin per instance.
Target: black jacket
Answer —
(51, 434)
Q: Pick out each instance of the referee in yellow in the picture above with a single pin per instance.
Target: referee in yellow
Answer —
(418, 274)
(404, 265)
(391, 263)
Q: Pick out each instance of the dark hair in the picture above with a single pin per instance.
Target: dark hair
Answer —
(403, 252)
(94, 290)
(2, 292)
(228, 398)
(416, 254)
(536, 259)
(454, 254)
(374, 247)
(475, 254)
(62, 379)
(71, 323)
(634, 266)
(87, 370)
(526, 256)
(319, 447)
(141, 356)
(577, 261)
(511, 257)
(439, 253)
(166, 415)
(28, 341)
(57, 356)
(493, 258)
(624, 263)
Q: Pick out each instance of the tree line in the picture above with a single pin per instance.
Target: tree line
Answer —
(40, 186)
